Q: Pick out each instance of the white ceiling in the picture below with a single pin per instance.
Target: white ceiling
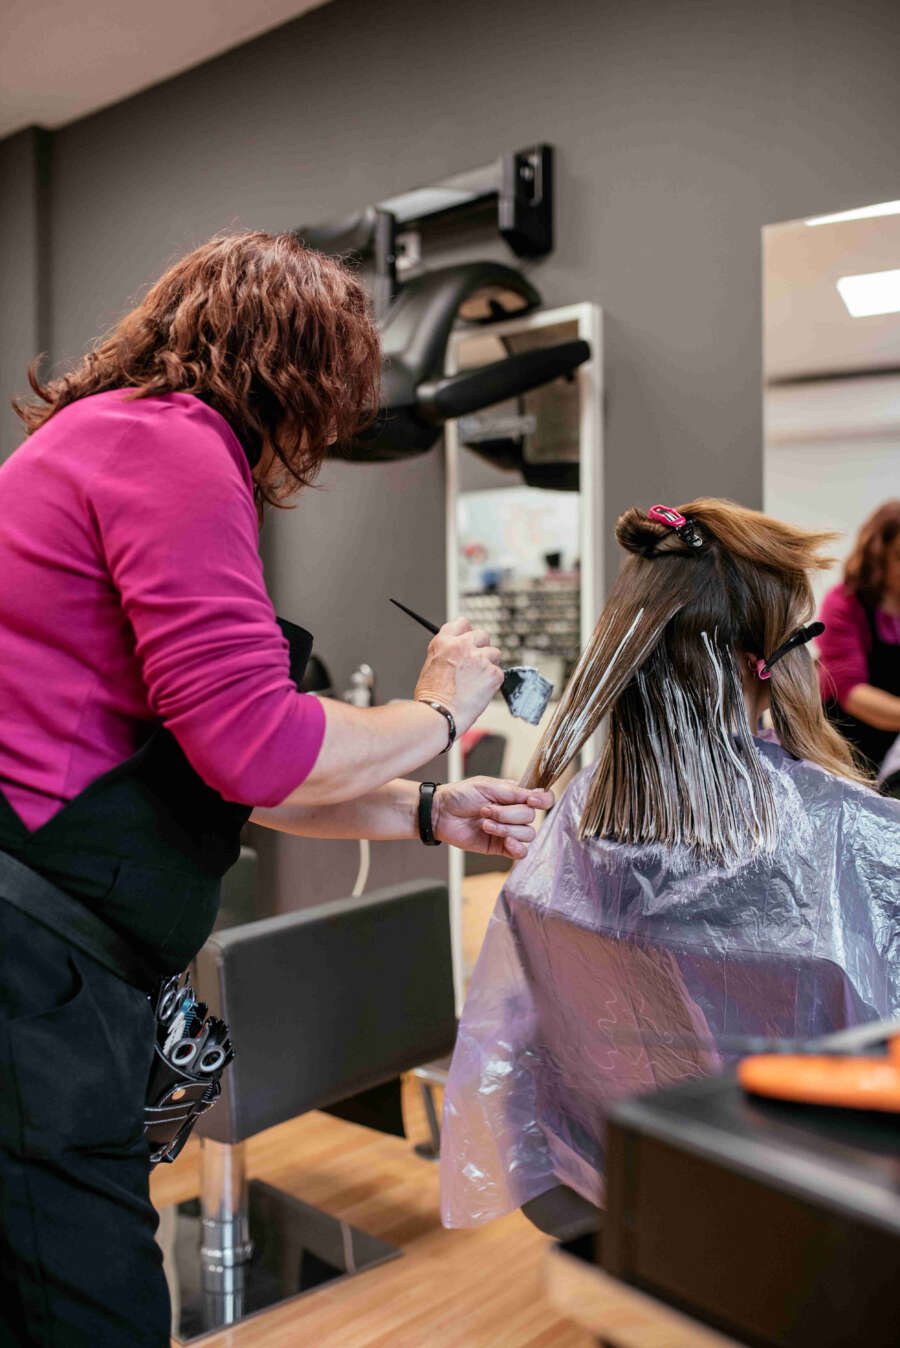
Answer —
(807, 327)
(60, 59)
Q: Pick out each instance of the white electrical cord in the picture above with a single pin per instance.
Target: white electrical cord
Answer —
(361, 694)
(362, 875)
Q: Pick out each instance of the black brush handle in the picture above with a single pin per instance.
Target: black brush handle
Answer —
(417, 617)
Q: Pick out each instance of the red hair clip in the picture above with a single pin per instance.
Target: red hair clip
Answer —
(666, 515)
(684, 527)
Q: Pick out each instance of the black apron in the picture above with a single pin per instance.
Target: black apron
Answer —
(883, 672)
(145, 846)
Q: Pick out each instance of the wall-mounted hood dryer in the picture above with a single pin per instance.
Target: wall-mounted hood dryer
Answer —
(519, 186)
(416, 316)
(417, 397)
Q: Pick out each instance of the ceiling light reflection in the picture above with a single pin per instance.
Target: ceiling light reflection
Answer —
(873, 292)
(861, 213)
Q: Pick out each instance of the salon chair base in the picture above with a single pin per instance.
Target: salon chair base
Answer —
(294, 1248)
(431, 1074)
(562, 1213)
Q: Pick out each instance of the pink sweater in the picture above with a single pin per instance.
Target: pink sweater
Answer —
(844, 645)
(132, 593)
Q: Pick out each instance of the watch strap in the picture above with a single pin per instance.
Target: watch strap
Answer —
(426, 799)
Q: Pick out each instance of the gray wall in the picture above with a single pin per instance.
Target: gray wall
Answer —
(24, 269)
(365, 532)
(682, 127)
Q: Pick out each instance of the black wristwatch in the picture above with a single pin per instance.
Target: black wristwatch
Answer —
(426, 797)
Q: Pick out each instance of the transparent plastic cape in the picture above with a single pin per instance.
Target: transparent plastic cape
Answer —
(612, 969)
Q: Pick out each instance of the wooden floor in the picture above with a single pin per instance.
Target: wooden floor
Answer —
(481, 1288)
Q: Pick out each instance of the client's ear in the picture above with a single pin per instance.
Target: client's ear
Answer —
(757, 693)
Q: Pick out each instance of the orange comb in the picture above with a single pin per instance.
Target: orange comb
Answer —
(819, 1079)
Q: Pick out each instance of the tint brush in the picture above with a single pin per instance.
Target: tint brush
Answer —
(525, 690)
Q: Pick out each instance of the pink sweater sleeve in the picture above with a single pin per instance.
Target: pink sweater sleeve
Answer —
(179, 533)
(844, 645)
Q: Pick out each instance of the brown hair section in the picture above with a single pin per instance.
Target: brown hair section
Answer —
(274, 336)
(666, 663)
(864, 568)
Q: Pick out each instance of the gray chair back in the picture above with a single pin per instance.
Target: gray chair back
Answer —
(620, 1015)
(326, 1002)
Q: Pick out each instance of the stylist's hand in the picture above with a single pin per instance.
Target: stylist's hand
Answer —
(462, 670)
(484, 814)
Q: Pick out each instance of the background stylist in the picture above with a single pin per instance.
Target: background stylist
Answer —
(860, 647)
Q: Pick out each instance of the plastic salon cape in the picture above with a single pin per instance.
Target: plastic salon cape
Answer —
(613, 969)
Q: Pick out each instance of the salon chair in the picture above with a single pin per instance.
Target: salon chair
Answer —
(642, 1018)
(326, 1007)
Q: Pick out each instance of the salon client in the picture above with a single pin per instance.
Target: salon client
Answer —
(860, 647)
(147, 708)
(701, 885)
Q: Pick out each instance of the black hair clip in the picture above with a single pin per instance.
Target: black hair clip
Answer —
(684, 527)
(800, 638)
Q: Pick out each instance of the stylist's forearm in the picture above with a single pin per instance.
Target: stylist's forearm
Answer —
(365, 747)
(875, 706)
(388, 813)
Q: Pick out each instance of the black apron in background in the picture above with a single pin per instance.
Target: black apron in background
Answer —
(884, 673)
(145, 846)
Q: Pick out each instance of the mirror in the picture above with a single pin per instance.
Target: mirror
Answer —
(831, 324)
(832, 371)
(524, 555)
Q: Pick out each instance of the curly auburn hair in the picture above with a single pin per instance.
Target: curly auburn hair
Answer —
(274, 336)
(864, 568)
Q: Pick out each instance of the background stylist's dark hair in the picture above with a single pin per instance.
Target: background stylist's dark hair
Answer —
(276, 337)
(864, 569)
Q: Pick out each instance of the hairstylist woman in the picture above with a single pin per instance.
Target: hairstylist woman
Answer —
(860, 647)
(146, 707)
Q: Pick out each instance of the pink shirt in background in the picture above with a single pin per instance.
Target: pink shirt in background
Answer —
(132, 593)
(845, 644)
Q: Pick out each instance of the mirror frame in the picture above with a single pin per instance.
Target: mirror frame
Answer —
(588, 319)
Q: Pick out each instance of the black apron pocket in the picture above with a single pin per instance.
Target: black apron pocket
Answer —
(80, 1069)
(169, 913)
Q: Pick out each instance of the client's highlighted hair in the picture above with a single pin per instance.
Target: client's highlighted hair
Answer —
(679, 766)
